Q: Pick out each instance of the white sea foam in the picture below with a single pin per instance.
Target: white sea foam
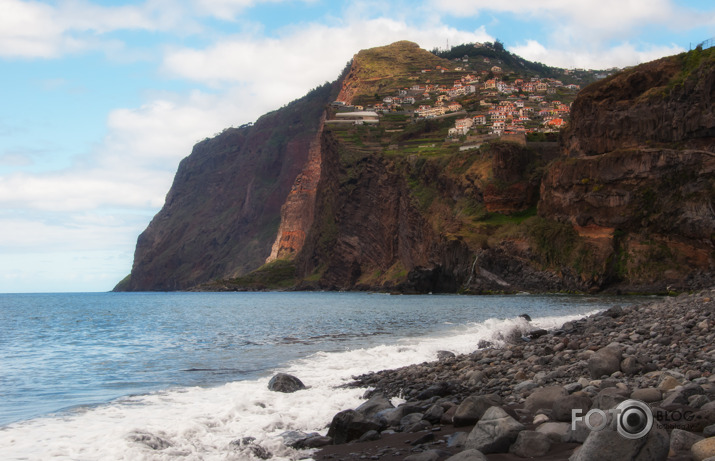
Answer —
(200, 423)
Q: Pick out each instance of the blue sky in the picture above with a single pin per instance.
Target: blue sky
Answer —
(99, 101)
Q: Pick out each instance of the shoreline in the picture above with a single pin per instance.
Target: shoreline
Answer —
(661, 352)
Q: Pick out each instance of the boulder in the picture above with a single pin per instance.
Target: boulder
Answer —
(283, 382)
(609, 398)
(609, 444)
(563, 408)
(444, 355)
(703, 449)
(531, 444)
(375, 405)
(605, 361)
(647, 395)
(544, 398)
(434, 414)
(557, 432)
(495, 432)
(350, 425)
(468, 455)
(473, 407)
(681, 440)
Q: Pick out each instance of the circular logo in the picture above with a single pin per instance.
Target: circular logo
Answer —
(635, 419)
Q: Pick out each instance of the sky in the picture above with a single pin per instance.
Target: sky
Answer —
(100, 100)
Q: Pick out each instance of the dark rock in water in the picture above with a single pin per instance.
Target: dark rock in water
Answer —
(526, 316)
(350, 425)
(537, 333)
(283, 382)
(375, 405)
(444, 355)
(529, 444)
(248, 444)
(440, 390)
(150, 440)
(316, 441)
(483, 344)
(614, 312)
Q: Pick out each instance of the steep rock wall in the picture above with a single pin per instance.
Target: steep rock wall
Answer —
(222, 214)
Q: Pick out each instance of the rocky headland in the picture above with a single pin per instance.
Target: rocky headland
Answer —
(517, 401)
(301, 200)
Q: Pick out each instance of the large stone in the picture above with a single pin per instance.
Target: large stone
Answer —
(544, 398)
(605, 361)
(563, 408)
(350, 425)
(648, 394)
(473, 407)
(609, 398)
(468, 455)
(283, 382)
(530, 444)
(681, 440)
(557, 432)
(373, 406)
(609, 444)
(703, 449)
(494, 432)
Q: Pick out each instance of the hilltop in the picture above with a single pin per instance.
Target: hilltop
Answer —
(415, 172)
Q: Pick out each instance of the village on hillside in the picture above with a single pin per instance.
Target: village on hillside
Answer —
(484, 100)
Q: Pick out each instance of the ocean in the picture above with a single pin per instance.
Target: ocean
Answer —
(84, 376)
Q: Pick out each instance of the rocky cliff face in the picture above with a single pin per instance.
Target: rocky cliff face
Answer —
(222, 214)
(639, 182)
(294, 201)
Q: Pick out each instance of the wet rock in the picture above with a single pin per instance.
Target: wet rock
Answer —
(530, 444)
(283, 382)
(350, 425)
(495, 432)
(149, 440)
(472, 408)
(374, 405)
(444, 355)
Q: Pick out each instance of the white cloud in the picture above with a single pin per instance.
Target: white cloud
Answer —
(625, 54)
(307, 56)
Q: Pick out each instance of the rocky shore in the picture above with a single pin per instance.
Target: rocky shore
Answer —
(517, 401)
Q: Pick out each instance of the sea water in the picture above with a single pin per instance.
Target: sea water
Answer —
(84, 376)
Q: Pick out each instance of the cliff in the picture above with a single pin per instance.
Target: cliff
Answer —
(302, 201)
(222, 213)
